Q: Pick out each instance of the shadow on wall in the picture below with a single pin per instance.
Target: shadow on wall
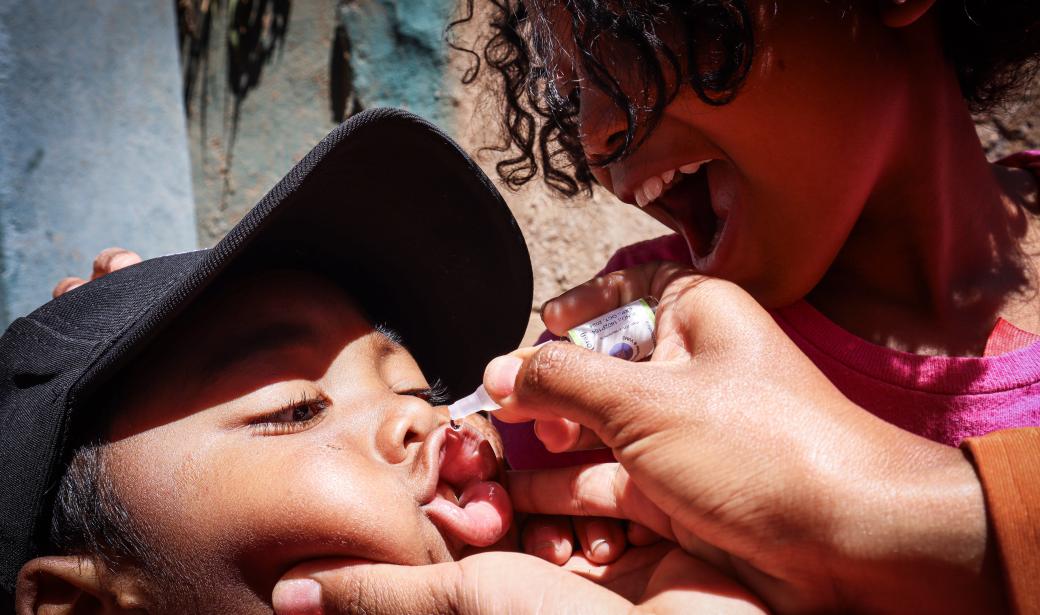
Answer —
(342, 100)
(254, 31)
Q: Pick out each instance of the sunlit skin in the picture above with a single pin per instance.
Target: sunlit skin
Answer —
(241, 492)
(228, 516)
(850, 173)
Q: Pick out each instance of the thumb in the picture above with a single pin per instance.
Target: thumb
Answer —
(344, 586)
(493, 582)
(560, 380)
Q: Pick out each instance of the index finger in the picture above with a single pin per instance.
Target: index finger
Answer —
(600, 490)
(608, 292)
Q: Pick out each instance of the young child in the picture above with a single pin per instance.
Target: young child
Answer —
(180, 433)
(823, 156)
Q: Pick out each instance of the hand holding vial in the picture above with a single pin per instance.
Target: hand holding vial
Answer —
(731, 443)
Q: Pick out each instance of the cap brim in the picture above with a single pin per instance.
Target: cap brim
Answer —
(392, 209)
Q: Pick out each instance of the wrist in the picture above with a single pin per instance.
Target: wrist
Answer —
(917, 537)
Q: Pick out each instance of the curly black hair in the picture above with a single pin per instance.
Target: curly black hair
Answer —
(994, 46)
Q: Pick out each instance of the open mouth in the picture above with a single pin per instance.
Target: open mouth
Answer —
(683, 196)
(461, 498)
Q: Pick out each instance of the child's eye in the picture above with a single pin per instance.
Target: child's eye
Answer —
(292, 417)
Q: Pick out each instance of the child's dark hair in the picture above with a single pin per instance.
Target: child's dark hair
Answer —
(90, 517)
(91, 520)
(993, 45)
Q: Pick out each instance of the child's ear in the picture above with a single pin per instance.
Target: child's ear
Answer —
(73, 584)
(901, 13)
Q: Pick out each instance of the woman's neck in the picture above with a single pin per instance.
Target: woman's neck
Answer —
(943, 245)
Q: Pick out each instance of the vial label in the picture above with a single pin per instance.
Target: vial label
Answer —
(626, 333)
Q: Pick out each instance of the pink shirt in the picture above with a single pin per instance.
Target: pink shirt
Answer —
(945, 399)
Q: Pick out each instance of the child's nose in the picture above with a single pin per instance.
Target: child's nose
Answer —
(405, 426)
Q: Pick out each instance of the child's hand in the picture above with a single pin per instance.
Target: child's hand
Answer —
(732, 443)
(109, 260)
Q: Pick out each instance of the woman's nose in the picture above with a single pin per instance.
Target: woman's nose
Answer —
(406, 424)
(602, 124)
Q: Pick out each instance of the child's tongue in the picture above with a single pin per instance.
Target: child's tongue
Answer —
(481, 513)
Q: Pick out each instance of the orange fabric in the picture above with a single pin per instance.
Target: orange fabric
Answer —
(1008, 463)
(1006, 338)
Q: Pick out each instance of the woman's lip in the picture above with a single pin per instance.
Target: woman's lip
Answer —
(626, 189)
(724, 204)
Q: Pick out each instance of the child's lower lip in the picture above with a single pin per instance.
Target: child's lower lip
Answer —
(480, 518)
(465, 503)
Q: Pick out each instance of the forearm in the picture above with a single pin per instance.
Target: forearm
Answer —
(916, 539)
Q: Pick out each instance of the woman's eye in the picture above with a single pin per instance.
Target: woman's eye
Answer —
(291, 417)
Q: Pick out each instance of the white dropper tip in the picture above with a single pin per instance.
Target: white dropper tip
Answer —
(471, 404)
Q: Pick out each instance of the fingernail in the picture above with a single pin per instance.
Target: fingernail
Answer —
(297, 597)
(545, 550)
(539, 431)
(501, 375)
(597, 533)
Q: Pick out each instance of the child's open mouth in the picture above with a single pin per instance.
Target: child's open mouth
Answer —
(462, 500)
(683, 197)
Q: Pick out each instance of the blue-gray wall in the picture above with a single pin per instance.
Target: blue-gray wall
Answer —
(93, 145)
(399, 56)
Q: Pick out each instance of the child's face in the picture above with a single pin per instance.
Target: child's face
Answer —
(795, 157)
(274, 425)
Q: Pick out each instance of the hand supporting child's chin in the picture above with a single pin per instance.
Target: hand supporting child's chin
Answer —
(659, 579)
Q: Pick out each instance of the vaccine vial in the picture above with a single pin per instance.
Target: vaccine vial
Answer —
(626, 333)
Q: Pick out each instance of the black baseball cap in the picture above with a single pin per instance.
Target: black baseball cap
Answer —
(386, 205)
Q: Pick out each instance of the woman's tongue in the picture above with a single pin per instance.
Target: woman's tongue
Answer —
(469, 507)
(689, 203)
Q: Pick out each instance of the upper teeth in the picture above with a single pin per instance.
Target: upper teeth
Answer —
(653, 187)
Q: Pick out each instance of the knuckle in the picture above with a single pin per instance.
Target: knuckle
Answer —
(105, 259)
(123, 259)
(65, 285)
(544, 366)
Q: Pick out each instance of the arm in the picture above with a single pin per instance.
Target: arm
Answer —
(732, 443)
(1008, 466)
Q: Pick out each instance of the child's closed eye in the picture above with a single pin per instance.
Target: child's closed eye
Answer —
(435, 394)
(294, 416)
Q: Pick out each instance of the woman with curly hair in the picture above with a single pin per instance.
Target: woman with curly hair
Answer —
(822, 156)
